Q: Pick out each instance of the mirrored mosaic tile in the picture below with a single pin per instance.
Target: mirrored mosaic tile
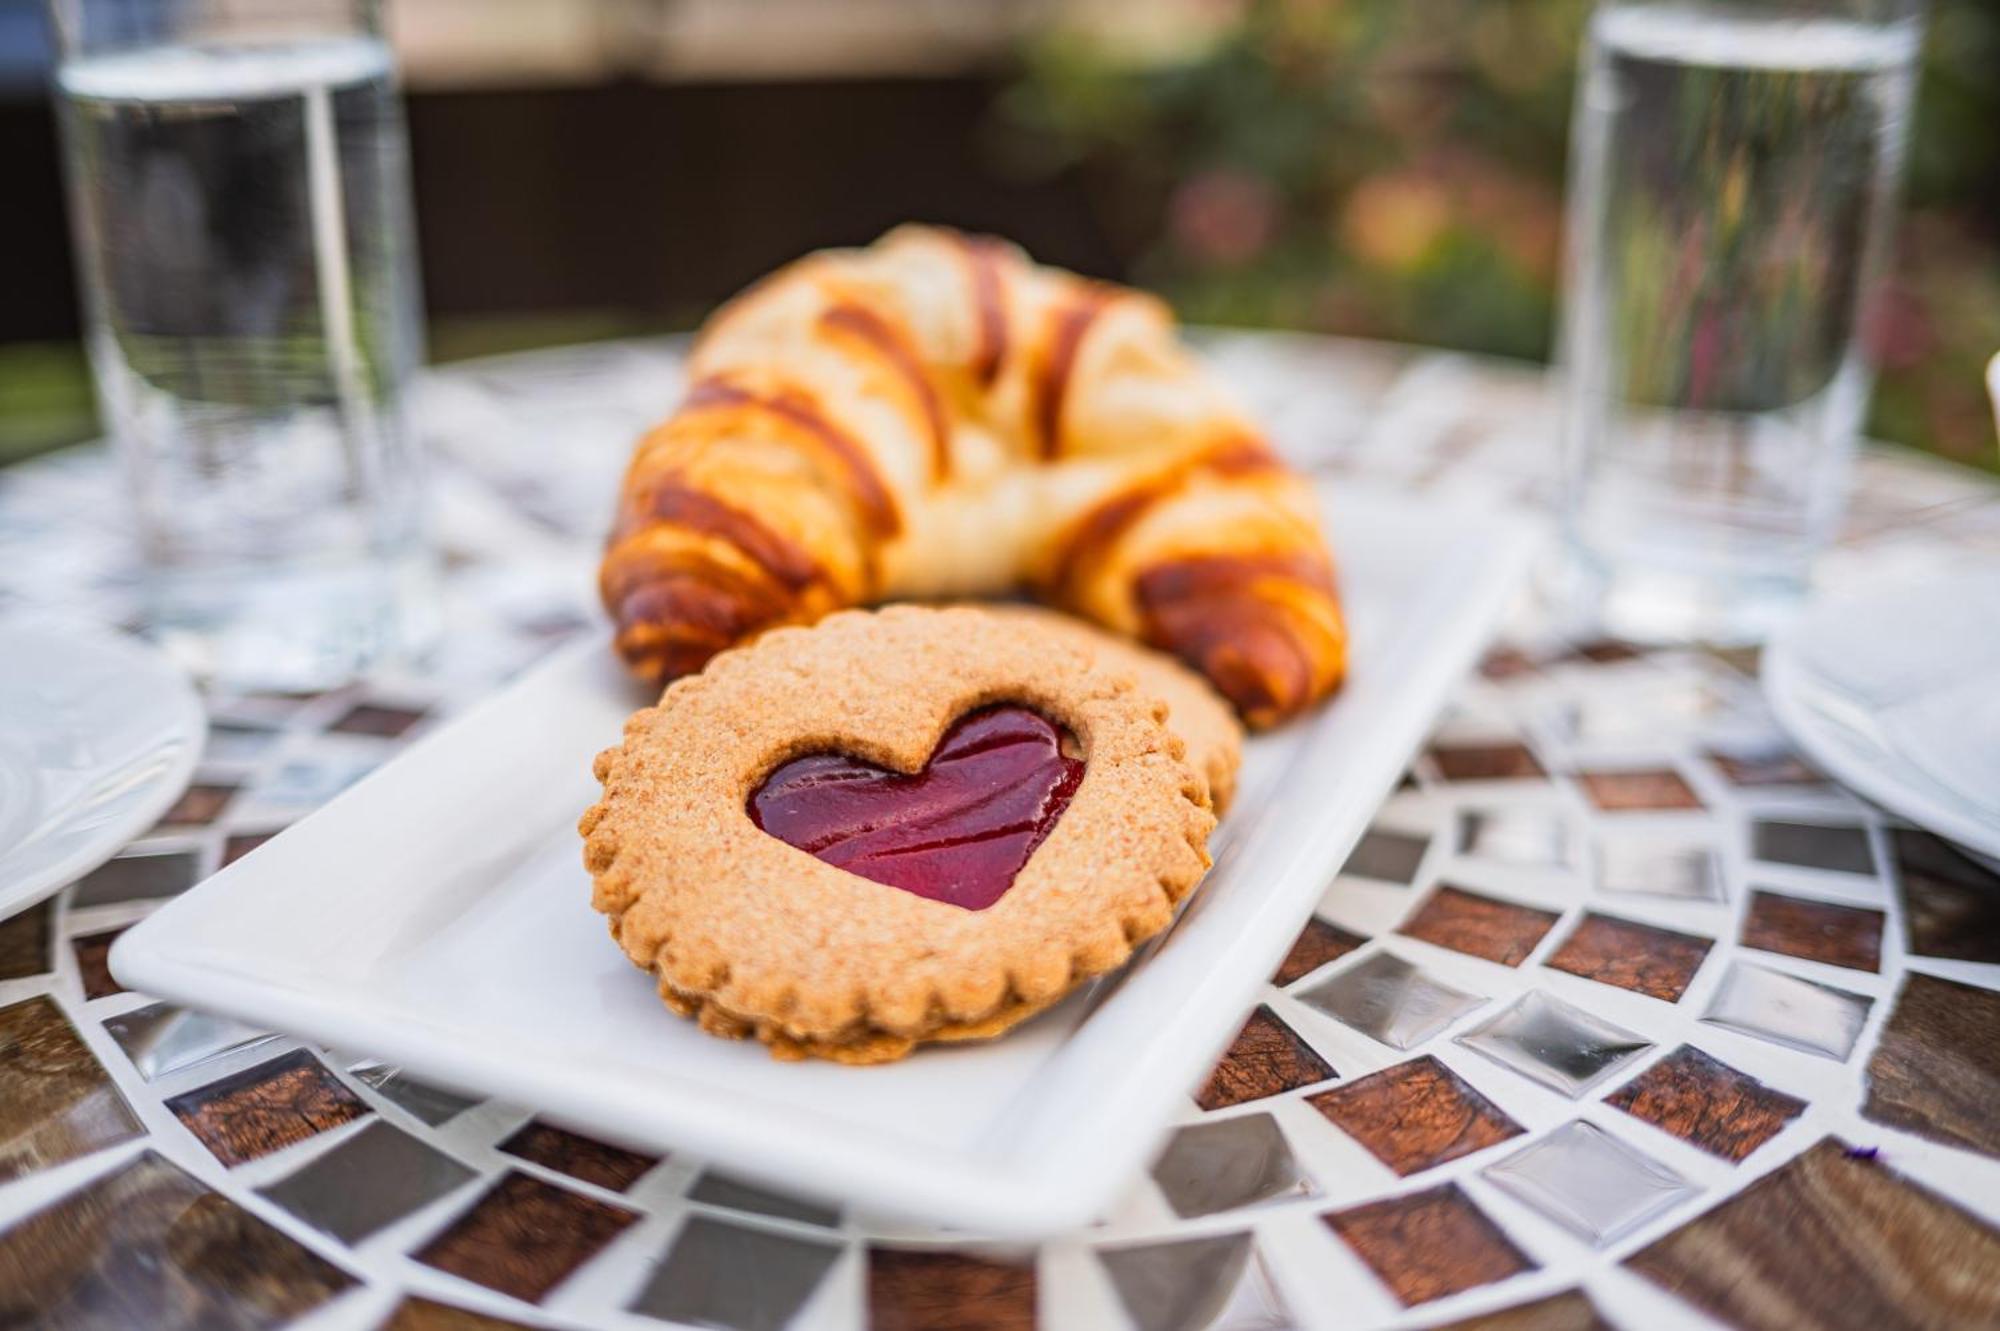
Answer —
(1415, 1116)
(430, 1105)
(56, 1101)
(1510, 761)
(1385, 855)
(372, 1179)
(1266, 1058)
(721, 1275)
(1317, 944)
(1936, 1070)
(1650, 788)
(1570, 1310)
(1951, 905)
(1841, 848)
(925, 1290)
(1897, 1254)
(1388, 999)
(1822, 931)
(135, 878)
(24, 942)
(161, 1038)
(1478, 925)
(1228, 1162)
(1644, 958)
(1215, 1283)
(1430, 1244)
(306, 785)
(237, 741)
(1556, 1044)
(148, 1245)
(610, 1167)
(1588, 1181)
(524, 1237)
(1707, 1104)
(1530, 838)
(1800, 1014)
(266, 1108)
(1631, 866)
(738, 1195)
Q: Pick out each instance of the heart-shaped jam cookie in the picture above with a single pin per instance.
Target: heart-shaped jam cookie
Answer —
(957, 831)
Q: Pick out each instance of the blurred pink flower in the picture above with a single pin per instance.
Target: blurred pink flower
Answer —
(1223, 216)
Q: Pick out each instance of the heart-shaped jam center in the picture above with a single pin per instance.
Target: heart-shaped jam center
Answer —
(958, 831)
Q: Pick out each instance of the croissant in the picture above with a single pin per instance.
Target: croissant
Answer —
(937, 416)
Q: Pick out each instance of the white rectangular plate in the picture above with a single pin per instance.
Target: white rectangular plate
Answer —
(438, 915)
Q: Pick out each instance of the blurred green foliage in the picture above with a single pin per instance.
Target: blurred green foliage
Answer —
(1388, 169)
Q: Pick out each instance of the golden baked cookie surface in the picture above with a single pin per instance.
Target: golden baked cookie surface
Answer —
(754, 936)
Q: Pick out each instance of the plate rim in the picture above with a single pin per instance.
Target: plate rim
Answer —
(1788, 683)
(116, 835)
(890, 1176)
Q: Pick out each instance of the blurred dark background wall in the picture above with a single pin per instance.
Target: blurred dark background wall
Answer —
(587, 168)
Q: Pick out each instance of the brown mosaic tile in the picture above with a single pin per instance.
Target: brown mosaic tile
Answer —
(1317, 944)
(414, 1314)
(1570, 1310)
(1426, 1245)
(1605, 651)
(93, 952)
(1707, 1103)
(24, 941)
(1479, 926)
(948, 1291)
(578, 1156)
(1656, 962)
(1267, 1058)
(1510, 761)
(56, 1101)
(1848, 936)
(374, 719)
(524, 1237)
(1415, 1116)
(236, 847)
(1950, 904)
(1644, 788)
(1503, 663)
(198, 806)
(1764, 765)
(1936, 1070)
(266, 1108)
(149, 1246)
(1835, 1238)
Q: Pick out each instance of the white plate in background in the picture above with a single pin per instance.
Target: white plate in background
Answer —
(98, 736)
(1894, 690)
(438, 915)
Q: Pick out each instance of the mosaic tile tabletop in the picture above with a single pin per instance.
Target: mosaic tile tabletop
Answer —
(1620, 1015)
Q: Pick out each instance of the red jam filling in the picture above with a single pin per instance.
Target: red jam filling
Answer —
(958, 831)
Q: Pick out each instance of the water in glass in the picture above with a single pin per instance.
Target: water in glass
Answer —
(244, 228)
(1734, 167)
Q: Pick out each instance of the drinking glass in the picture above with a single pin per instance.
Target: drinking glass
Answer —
(1733, 173)
(239, 196)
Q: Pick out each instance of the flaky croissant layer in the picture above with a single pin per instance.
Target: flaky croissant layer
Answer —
(936, 416)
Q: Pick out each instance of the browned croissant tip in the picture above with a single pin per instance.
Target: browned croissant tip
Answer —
(1229, 616)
